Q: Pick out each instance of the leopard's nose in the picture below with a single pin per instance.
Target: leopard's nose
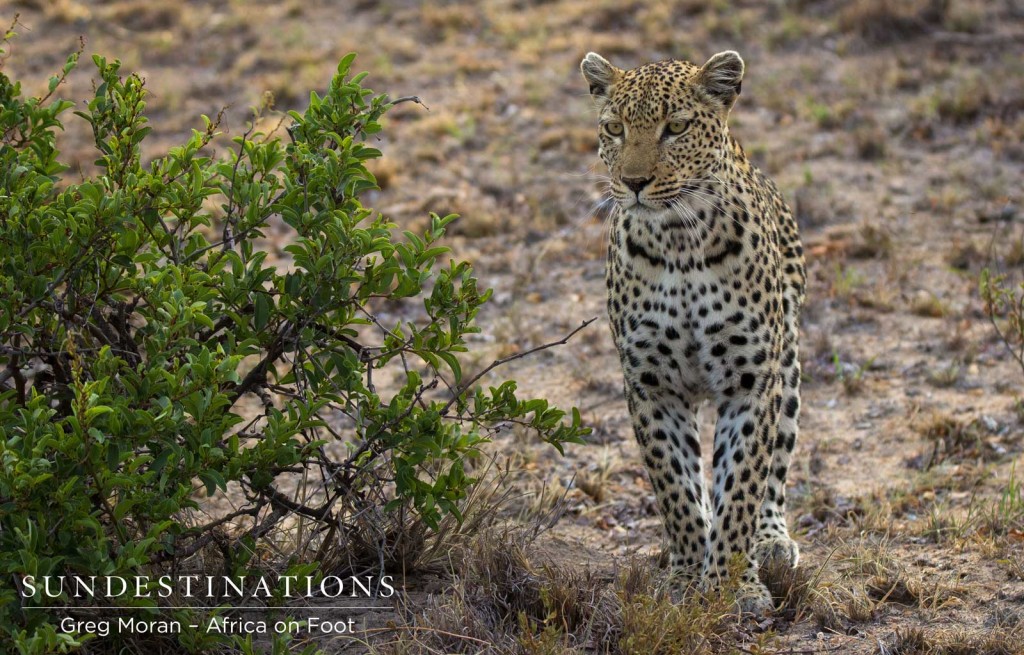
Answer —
(637, 184)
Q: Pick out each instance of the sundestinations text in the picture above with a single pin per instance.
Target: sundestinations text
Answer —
(207, 586)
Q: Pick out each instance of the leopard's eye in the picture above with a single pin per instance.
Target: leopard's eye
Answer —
(676, 128)
(614, 128)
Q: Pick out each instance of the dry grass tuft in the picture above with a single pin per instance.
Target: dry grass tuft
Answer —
(858, 608)
(823, 506)
(881, 22)
(402, 541)
(800, 592)
(966, 256)
(928, 305)
(140, 16)
(915, 641)
(814, 205)
(966, 98)
(871, 241)
(955, 439)
(502, 601)
(945, 377)
(910, 641)
(894, 587)
(496, 598)
(443, 22)
(894, 584)
(871, 141)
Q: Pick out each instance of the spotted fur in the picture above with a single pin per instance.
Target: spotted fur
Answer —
(705, 281)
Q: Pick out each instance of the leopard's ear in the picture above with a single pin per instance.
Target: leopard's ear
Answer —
(599, 74)
(722, 77)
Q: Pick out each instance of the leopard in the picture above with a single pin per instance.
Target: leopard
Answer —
(705, 279)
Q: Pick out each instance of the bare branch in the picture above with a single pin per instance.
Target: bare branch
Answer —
(205, 534)
(465, 386)
(416, 99)
(344, 338)
(227, 239)
(258, 375)
(322, 513)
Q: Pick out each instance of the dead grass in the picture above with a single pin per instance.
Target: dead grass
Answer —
(133, 15)
(1005, 514)
(593, 481)
(919, 641)
(928, 305)
(444, 22)
(814, 205)
(825, 507)
(856, 583)
(872, 241)
(880, 22)
(954, 439)
(797, 592)
(871, 141)
(403, 542)
(945, 376)
(897, 585)
(507, 598)
(964, 98)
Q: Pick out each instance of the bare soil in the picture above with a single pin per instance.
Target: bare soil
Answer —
(896, 132)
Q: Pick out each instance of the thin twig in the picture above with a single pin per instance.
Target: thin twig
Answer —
(464, 387)
(258, 375)
(205, 535)
(227, 239)
(322, 513)
(344, 338)
(416, 99)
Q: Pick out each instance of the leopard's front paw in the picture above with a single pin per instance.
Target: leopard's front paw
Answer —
(776, 550)
(751, 595)
(754, 598)
(683, 586)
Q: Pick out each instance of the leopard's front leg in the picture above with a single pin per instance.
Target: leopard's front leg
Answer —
(774, 546)
(744, 438)
(666, 429)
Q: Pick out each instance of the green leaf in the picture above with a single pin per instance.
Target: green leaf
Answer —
(213, 481)
(453, 364)
(261, 310)
(93, 412)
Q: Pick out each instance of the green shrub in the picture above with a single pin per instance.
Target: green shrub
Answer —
(149, 351)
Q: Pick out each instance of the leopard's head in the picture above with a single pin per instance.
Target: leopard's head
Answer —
(663, 126)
